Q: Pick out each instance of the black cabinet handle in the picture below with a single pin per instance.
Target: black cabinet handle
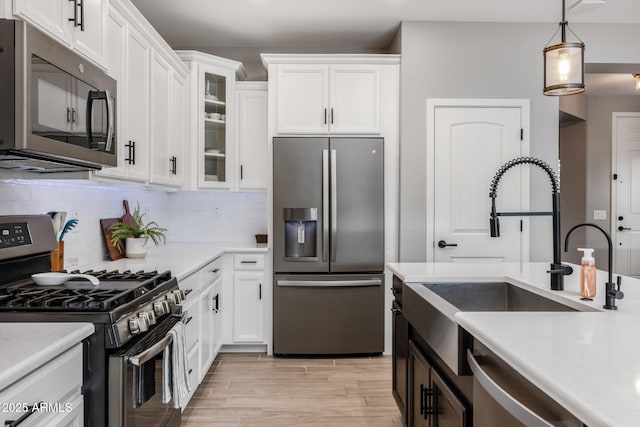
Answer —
(260, 291)
(422, 401)
(189, 319)
(443, 244)
(214, 271)
(75, 14)
(131, 147)
(216, 306)
(73, 115)
(325, 116)
(248, 262)
(68, 114)
(331, 115)
(621, 228)
(173, 161)
(190, 370)
(81, 15)
(241, 177)
(23, 418)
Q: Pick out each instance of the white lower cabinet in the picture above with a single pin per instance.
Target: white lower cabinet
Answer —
(203, 320)
(57, 383)
(248, 308)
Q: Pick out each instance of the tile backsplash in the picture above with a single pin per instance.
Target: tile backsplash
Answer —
(189, 216)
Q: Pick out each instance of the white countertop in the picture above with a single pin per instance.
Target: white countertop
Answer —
(27, 346)
(182, 259)
(589, 362)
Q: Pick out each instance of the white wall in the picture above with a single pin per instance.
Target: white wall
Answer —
(188, 216)
(486, 60)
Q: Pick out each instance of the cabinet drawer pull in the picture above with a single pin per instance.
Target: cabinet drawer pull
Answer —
(214, 271)
(504, 399)
(248, 262)
(190, 370)
(23, 418)
(189, 319)
(188, 291)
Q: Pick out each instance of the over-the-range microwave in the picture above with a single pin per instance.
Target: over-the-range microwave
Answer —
(57, 110)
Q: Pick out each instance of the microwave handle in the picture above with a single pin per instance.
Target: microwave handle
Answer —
(95, 94)
(110, 122)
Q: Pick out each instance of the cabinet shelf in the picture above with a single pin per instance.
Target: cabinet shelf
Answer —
(220, 122)
(219, 155)
(212, 102)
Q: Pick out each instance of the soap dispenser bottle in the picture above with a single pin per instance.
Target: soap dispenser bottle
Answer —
(587, 275)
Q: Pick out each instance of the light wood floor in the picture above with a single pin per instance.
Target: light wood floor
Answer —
(259, 390)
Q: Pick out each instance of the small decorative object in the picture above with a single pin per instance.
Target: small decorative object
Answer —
(261, 238)
(57, 255)
(136, 235)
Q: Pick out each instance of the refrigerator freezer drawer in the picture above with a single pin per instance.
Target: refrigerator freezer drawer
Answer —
(328, 314)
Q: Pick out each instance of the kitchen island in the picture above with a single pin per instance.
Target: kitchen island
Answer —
(586, 361)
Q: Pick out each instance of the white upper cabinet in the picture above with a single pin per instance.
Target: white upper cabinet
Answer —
(326, 94)
(302, 98)
(80, 24)
(252, 135)
(178, 120)
(212, 120)
(159, 115)
(354, 95)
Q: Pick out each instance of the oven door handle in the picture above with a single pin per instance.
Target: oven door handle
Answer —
(151, 352)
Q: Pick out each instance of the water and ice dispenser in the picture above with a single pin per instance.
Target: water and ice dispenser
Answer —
(300, 229)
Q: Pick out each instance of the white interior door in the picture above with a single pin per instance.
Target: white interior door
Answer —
(470, 143)
(626, 191)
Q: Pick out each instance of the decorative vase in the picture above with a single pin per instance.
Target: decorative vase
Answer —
(135, 247)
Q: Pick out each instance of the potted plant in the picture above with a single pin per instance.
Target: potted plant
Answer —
(136, 234)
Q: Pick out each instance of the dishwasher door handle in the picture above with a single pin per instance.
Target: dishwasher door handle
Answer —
(504, 399)
(329, 283)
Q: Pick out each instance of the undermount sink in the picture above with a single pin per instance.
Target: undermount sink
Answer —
(494, 296)
(431, 309)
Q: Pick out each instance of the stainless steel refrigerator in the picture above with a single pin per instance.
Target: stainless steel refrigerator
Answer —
(328, 250)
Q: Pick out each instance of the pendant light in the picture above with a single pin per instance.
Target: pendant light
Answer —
(564, 63)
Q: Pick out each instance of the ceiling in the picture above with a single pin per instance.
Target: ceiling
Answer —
(233, 26)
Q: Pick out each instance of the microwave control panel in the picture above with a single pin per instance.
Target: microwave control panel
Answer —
(15, 234)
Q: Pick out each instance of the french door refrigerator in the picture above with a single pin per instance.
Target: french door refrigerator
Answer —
(328, 259)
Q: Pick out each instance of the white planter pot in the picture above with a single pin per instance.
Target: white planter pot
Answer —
(135, 247)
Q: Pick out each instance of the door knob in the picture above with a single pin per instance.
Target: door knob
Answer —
(443, 244)
(621, 228)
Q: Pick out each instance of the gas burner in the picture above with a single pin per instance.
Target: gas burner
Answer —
(115, 290)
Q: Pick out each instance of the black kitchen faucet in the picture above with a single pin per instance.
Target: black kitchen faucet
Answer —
(557, 270)
(611, 293)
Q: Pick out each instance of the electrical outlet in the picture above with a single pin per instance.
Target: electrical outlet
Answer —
(599, 214)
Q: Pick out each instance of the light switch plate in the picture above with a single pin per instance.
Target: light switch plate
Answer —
(599, 214)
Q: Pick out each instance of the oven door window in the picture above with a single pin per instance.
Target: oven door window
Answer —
(66, 109)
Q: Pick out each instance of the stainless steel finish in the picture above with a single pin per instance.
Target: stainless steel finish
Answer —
(111, 120)
(299, 214)
(326, 319)
(171, 300)
(431, 309)
(22, 148)
(332, 283)
(494, 296)
(297, 183)
(134, 326)
(152, 317)
(334, 206)
(325, 205)
(504, 399)
(42, 235)
(151, 352)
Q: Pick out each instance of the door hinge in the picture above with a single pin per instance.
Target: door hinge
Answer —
(615, 176)
(521, 134)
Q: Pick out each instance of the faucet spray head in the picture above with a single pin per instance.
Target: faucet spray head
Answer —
(494, 221)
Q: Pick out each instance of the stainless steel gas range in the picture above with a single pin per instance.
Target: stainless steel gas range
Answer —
(132, 313)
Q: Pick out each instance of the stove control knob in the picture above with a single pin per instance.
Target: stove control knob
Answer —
(183, 294)
(161, 308)
(171, 299)
(143, 321)
(134, 326)
(152, 317)
(179, 296)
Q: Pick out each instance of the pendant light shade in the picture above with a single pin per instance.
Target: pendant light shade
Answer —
(564, 64)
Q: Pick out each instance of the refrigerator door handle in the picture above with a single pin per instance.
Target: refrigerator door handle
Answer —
(325, 205)
(329, 283)
(334, 207)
